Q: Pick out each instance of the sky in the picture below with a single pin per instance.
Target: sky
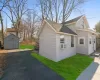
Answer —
(91, 9)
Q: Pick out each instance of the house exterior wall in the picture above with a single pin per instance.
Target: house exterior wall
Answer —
(11, 42)
(47, 43)
(92, 46)
(81, 22)
(68, 51)
(82, 48)
(87, 48)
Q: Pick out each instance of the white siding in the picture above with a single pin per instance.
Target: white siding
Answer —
(68, 51)
(81, 22)
(92, 46)
(82, 48)
(47, 43)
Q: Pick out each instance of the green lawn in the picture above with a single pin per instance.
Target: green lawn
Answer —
(26, 46)
(69, 68)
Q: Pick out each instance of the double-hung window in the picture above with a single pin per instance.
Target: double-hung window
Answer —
(62, 41)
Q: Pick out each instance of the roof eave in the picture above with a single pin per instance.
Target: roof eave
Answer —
(87, 31)
(66, 33)
(71, 23)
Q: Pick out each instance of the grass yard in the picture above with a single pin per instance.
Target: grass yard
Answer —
(24, 46)
(69, 68)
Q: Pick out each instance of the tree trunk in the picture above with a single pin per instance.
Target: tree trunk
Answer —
(2, 28)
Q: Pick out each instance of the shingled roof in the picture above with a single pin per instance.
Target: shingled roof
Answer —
(65, 29)
(73, 20)
(56, 26)
(60, 28)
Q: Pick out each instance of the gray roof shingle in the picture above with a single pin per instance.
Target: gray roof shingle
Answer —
(73, 20)
(65, 29)
(60, 28)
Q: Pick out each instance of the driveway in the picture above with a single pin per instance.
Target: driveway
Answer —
(22, 66)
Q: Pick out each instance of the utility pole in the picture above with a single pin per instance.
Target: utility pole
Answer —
(1, 20)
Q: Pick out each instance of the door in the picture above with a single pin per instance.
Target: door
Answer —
(94, 44)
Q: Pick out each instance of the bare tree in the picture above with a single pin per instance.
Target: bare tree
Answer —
(17, 9)
(3, 4)
(32, 21)
(58, 10)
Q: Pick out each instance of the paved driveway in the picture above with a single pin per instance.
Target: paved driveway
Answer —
(22, 66)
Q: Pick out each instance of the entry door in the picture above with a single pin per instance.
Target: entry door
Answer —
(94, 45)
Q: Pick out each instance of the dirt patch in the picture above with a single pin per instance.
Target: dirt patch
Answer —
(3, 63)
(30, 42)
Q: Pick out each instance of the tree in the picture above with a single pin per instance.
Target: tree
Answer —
(58, 10)
(3, 4)
(17, 9)
(97, 27)
(32, 23)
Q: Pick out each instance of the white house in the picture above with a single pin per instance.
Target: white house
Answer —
(57, 41)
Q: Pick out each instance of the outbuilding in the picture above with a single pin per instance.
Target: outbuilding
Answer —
(11, 42)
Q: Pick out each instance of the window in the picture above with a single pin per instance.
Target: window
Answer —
(94, 40)
(62, 46)
(62, 40)
(90, 41)
(72, 41)
(81, 41)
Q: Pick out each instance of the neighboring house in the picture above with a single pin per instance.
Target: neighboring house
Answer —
(57, 41)
(13, 31)
(11, 42)
(21, 33)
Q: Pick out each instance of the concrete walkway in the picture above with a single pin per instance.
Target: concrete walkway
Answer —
(14, 50)
(92, 72)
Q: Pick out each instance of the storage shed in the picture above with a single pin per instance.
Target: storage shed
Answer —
(11, 42)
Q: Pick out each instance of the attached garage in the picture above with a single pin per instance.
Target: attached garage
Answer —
(11, 42)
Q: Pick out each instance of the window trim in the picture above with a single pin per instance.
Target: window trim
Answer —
(62, 43)
(62, 37)
(79, 40)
